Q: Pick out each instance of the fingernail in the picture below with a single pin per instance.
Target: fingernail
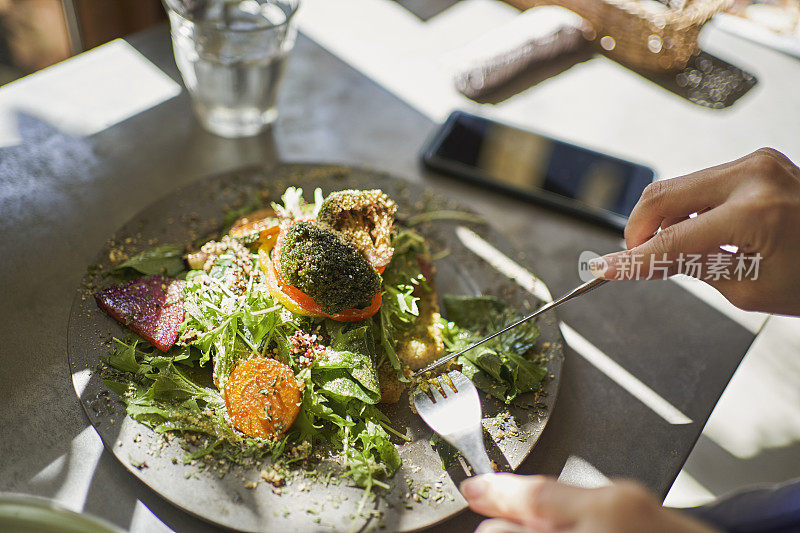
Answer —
(474, 488)
(598, 266)
(605, 267)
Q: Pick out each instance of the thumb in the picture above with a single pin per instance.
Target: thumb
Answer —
(534, 501)
(663, 254)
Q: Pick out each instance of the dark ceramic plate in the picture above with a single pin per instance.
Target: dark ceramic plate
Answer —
(194, 214)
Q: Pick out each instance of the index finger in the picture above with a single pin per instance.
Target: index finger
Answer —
(535, 501)
(678, 198)
(663, 254)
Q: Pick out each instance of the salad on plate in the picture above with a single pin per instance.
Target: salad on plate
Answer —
(284, 336)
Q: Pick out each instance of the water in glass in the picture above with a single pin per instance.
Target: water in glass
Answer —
(232, 55)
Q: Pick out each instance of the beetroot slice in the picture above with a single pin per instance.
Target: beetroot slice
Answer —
(151, 307)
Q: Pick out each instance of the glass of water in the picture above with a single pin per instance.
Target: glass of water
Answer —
(232, 55)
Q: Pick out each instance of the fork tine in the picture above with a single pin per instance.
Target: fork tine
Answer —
(460, 381)
(447, 385)
(436, 393)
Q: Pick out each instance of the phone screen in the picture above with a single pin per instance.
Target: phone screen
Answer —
(524, 161)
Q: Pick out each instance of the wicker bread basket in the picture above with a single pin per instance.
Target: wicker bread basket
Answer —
(643, 34)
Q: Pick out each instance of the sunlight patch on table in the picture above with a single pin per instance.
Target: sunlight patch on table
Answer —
(87, 94)
(580, 472)
(50, 473)
(80, 379)
(687, 492)
(759, 408)
(388, 44)
(503, 264)
(72, 472)
(142, 518)
(622, 377)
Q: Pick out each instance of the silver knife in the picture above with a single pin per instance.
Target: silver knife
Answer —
(577, 291)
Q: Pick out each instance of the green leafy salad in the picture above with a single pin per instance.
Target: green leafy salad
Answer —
(284, 336)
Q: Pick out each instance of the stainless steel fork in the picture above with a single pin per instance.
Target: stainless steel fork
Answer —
(456, 416)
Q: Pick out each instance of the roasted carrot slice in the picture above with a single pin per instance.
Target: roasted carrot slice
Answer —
(262, 397)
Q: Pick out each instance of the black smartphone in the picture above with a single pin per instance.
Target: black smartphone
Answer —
(554, 173)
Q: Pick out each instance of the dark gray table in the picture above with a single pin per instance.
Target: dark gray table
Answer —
(61, 197)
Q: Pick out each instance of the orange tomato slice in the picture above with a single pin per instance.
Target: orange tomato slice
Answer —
(262, 397)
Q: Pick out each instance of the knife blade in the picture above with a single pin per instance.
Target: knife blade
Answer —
(577, 291)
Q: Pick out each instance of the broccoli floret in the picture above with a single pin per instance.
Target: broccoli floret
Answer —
(365, 217)
(326, 266)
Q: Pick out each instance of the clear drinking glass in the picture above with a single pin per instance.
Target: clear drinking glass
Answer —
(232, 55)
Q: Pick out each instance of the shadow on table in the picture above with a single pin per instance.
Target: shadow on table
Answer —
(716, 469)
(426, 9)
(52, 153)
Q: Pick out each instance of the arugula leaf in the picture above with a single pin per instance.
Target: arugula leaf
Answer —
(166, 260)
(483, 380)
(500, 367)
(489, 360)
(315, 411)
(347, 374)
(232, 328)
(164, 397)
(399, 311)
(171, 383)
(123, 356)
(352, 339)
(127, 357)
(526, 375)
(473, 312)
(340, 385)
(352, 427)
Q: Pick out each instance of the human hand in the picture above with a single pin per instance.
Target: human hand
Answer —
(752, 203)
(535, 504)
